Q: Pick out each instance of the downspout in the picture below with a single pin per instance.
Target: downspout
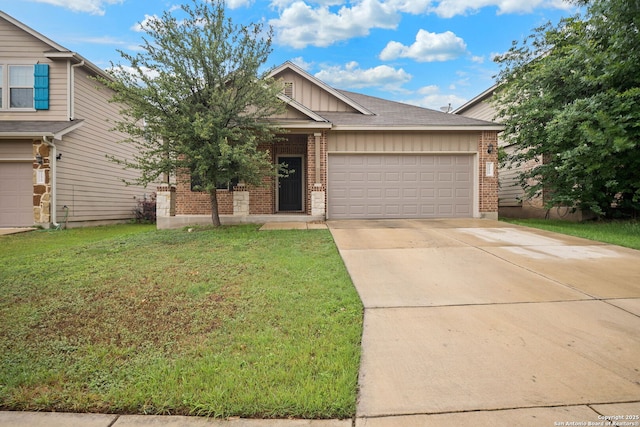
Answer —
(52, 162)
(72, 92)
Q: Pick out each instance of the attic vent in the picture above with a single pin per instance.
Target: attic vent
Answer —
(288, 89)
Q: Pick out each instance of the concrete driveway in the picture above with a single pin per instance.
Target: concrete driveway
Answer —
(477, 322)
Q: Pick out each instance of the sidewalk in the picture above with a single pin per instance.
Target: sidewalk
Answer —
(54, 419)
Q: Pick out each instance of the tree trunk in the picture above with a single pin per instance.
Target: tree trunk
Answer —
(215, 216)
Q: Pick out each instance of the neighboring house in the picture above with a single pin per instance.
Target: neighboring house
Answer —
(356, 157)
(512, 200)
(55, 135)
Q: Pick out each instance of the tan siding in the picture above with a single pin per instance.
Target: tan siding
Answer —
(387, 142)
(88, 183)
(312, 96)
(291, 114)
(481, 111)
(18, 47)
(510, 192)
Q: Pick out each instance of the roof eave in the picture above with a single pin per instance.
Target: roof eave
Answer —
(39, 134)
(477, 99)
(79, 59)
(305, 125)
(473, 128)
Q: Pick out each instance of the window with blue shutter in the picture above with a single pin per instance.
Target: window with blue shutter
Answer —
(41, 86)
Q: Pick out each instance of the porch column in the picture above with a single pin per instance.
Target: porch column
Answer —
(166, 201)
(318, 176)
(318, 194)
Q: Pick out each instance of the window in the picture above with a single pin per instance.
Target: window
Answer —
(21, 86)
(196, 184)
(24, 87)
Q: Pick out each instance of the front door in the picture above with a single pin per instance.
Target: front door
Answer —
(290, 186)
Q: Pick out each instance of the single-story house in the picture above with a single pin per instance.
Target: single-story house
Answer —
(356, 157)
(512, 200)
(55, 136)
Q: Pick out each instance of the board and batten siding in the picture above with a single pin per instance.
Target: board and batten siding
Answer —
(312, 96)
(398, 142)
(20, 48)
(88, 182)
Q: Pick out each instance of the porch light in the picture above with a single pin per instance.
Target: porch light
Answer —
(490, 149)
(38, 159)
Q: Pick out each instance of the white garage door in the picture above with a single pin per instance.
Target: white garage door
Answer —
(400, 186)
(16, 194)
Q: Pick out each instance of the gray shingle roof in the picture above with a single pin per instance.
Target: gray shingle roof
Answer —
(396, 114)
(37, 128)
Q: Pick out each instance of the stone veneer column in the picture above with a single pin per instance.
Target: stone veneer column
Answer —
(166, 201)
(318, 206)
(240, 201)
(41, 185)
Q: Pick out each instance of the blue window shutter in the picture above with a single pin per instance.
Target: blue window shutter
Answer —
(41, 86)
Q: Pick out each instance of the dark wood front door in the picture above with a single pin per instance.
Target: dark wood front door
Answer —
(290, 186)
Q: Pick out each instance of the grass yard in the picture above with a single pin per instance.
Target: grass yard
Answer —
(622, 233)
(222, 322)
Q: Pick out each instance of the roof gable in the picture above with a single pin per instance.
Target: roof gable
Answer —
(55, 51)
(314, 94)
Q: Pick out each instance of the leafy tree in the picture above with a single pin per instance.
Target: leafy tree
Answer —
(195, 99)
(570, 95)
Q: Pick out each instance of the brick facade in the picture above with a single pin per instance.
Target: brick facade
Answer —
(262, 199)
(488, 185)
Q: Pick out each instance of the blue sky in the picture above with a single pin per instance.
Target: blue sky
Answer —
(424, 52)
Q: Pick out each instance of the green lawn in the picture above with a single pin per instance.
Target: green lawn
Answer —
(622, 233)
(226, 322)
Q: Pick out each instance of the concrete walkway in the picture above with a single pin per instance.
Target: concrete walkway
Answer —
(50, 419)
(7, 231)
(481, 323)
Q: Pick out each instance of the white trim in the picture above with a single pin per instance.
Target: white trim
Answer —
(301, 108)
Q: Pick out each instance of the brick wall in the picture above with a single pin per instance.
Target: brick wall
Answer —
(198, 202)
(488, 186)
(262, 199)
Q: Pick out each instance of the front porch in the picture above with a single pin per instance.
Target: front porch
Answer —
(298, 197)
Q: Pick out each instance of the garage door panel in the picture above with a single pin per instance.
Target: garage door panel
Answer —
(16, 194)
(400, 186)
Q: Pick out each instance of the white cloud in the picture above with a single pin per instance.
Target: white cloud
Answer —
(451, 8)
(130, 70)
(234, 4)
(477, 59)
(300, 25)
(428, 47)
(415, 7)
(140, 26)
(94, 7)
(300, 62)
(353, 77)
(432, 97)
